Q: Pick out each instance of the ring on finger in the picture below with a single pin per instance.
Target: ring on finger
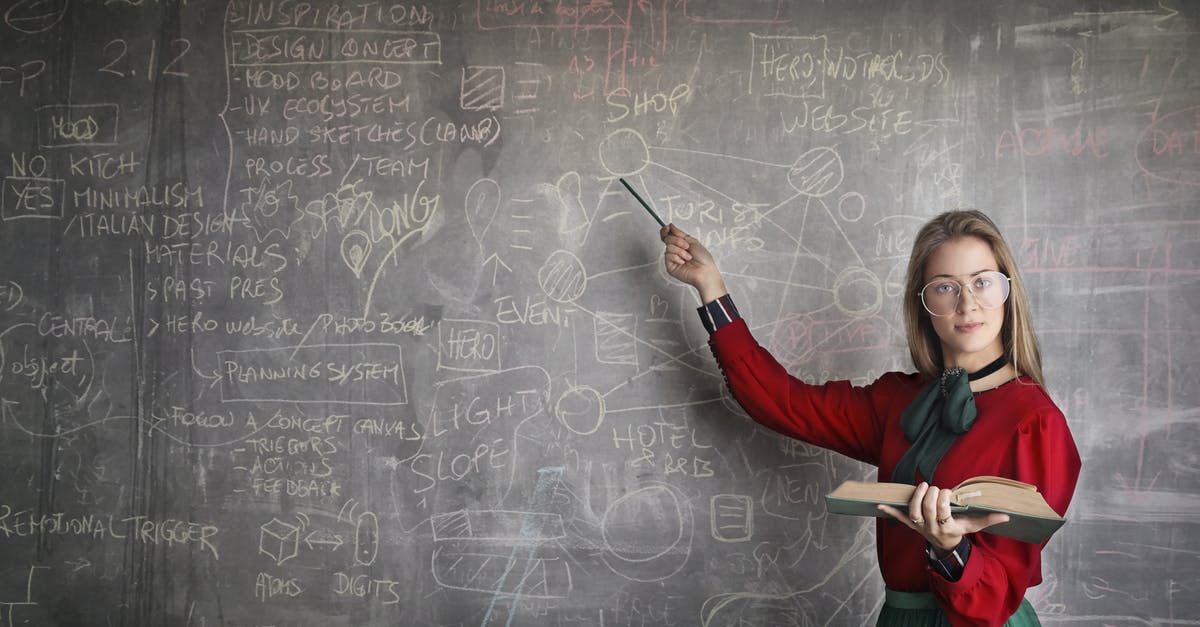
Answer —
(918, 521)
(942, 521)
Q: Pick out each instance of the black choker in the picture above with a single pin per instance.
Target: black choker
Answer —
(1000, 362)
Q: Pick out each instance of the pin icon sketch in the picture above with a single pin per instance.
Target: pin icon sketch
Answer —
(356, 248)
(481, 204)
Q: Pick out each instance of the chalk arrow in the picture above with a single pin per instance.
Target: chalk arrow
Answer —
(323, 539)
(496, 269)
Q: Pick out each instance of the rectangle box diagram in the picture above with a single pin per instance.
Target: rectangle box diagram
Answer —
(616, 338)
(31, 197)
(326, 46)
(61, 126)
(353, 374)
(732, 517)
(469, 345)
(505, 552)
(787, 66)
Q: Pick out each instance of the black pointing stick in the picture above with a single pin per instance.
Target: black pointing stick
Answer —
(639, 199)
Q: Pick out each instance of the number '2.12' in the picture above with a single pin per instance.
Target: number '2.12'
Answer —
(122, 63)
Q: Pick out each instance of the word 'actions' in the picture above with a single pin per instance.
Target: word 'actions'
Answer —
(1049, 141)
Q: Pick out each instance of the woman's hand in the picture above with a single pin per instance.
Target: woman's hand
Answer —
(929, 515)
(688, 260)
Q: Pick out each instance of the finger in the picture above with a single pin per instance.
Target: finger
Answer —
(675, 250)
(943, 507)
(663, 232)
(971, 524)
(897, 514)
(675, 260)
(678, 241)
(914, 504)
(929, 505)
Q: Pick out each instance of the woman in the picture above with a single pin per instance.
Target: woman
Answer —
(976, 407)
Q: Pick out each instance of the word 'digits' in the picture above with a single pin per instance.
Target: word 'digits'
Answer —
(364, 586)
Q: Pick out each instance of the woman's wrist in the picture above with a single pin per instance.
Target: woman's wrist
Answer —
(942, 551)
(712, 290)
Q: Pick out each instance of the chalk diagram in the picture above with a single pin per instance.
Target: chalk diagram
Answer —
(514, 550)
(35, 16)
(284, 540)
(9, 607)
(61, 375)
(827, 305)
(526, 546)
(823, 306)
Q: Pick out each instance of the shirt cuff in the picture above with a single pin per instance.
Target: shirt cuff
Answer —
(952, 565)
(718, 313)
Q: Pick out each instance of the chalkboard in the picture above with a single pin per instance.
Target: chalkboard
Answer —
(320, 313)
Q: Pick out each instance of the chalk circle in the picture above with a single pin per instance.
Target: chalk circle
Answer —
(817, 172)
(269, 208)
(580, 409)
(269, 204)
(644, 525)
(858, 293)
(624, 152)
(35, 16)
(562, 277)
(1184, 121)
(852, 206)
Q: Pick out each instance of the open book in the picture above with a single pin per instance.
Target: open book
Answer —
(1030, 518)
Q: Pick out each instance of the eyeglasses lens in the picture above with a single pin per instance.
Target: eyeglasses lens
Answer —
(990, 290)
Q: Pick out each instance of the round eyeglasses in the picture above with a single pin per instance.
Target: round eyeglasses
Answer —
(940, 296)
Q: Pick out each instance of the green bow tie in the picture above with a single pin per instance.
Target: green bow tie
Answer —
(944, 410)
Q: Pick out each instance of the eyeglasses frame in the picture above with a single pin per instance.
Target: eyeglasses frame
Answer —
(921, 292)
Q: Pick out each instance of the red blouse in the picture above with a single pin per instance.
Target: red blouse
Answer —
(1018, 433)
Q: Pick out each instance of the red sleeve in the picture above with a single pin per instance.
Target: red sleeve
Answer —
(1000, 569)
(836, 416)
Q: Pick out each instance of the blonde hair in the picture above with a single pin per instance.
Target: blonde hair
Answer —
(1020, 343)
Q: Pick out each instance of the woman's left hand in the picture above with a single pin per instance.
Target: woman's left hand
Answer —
(929, 515)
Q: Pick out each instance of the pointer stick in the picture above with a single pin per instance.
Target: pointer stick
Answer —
(639, 199)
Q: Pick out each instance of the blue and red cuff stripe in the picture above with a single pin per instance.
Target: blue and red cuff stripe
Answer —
(718, 313)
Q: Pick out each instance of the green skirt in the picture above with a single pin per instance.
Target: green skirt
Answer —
(920, 609)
